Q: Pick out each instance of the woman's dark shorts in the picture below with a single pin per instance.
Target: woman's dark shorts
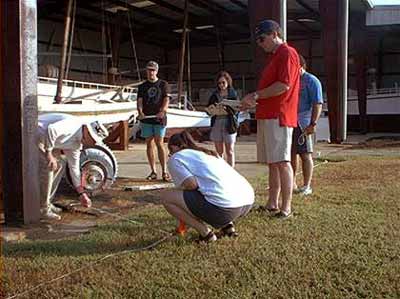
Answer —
(215, 216)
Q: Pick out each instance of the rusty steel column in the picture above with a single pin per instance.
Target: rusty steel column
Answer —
(63, 59)
(19, 73)
(258, 11)
(360, 35)
(113, 61)
(334, 17)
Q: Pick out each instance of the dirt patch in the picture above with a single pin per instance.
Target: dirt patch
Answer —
(109, 206)
(379, 142)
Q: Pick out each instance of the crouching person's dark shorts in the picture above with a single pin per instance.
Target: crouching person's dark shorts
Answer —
(215, 216)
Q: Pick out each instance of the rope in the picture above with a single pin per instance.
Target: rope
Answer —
(167, 236)
(150, 246)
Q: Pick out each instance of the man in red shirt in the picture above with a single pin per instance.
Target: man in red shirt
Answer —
(276, 100)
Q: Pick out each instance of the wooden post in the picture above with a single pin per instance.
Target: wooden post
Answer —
(113, 62)
(118, 138)
(334, 16)
(182, 53)
(1, 108)
(20, 155)
(64, 51)
(258, 11)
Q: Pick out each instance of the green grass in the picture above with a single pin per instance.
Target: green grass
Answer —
(343, 242)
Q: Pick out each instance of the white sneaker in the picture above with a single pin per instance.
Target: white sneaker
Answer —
(55, 209)
(50, 215)
(305, 190)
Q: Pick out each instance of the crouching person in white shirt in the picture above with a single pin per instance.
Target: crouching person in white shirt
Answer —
(60, 139)
(210, 191)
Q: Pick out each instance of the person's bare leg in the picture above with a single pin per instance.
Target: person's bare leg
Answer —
(308, 165)
(150, 153)
(175, 205)
(230, 153)
(219, 147)
(295, 162)
(162, 154)
(286, 179)
(274, 186)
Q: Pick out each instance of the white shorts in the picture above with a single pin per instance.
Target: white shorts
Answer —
(275, 141)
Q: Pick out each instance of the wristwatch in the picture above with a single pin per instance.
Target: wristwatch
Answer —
(313, 123)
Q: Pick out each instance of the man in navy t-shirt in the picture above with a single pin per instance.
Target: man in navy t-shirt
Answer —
(309, 111)
(152, 105)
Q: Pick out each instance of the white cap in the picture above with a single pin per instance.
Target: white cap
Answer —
(97, 131)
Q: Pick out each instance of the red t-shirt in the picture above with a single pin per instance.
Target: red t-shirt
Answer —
(283, 67)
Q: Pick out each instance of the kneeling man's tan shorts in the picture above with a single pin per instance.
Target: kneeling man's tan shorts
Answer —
(277, 140)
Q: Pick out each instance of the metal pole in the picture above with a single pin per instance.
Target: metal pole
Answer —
(64, 52)
(189, 74)
(71, 41)
(283, 18)
(182, 54)
(343, 15)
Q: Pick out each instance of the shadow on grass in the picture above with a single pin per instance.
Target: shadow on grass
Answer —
(105, 239)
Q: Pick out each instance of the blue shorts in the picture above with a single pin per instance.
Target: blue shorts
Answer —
(149, 130)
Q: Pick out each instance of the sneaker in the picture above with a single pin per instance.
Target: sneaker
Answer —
(55, 209)
(210, 238)
(50, 215)
(305, 190)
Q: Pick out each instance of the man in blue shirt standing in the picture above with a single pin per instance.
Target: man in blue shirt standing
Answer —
(309, 111)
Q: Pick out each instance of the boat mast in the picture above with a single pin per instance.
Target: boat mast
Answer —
(64, 51)
(182, 54)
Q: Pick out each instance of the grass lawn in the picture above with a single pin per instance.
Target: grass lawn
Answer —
(343, 242)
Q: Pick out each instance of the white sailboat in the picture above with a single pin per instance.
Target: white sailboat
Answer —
(107, 103)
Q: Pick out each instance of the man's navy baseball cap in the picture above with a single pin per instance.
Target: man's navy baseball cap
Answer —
(266, 27)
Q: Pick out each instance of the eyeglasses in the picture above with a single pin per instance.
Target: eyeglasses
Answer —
(260, 39)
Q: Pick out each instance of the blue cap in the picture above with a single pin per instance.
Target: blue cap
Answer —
(266, 27)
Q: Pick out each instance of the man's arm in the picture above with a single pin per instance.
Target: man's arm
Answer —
(140, 107)
(275, 89)
(166, 94)
(190, 184)
(316, 113)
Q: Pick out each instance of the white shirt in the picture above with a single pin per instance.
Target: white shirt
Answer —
(63, 131)
(220, 184)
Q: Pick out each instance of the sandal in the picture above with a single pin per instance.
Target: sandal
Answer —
(166, 177)
(266, 209)
(152, 176)
(283, 215)
(211, 237)
(228, 231)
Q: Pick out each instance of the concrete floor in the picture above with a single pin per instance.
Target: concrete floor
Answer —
(133, 163)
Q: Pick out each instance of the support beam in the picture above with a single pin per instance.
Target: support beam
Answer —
(334, 17)
(20, 155)
(360, 36)
(258, 11)
(63, 58)
(113, 63)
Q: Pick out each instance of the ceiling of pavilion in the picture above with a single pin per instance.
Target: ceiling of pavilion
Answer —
(158, 22)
